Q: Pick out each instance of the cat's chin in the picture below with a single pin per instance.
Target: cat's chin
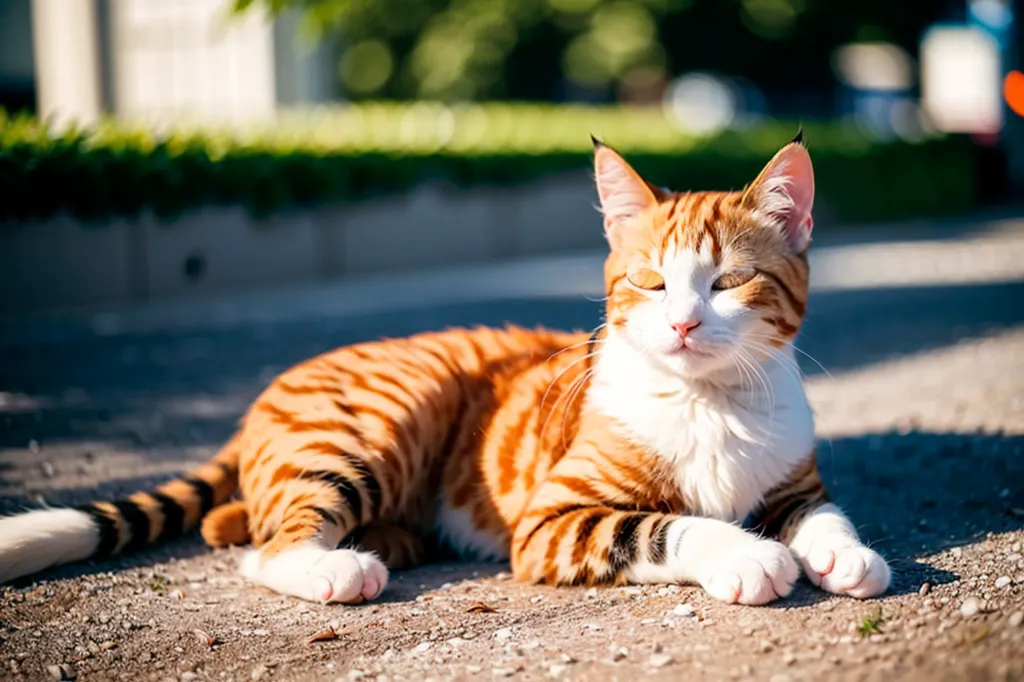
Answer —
(690, 363)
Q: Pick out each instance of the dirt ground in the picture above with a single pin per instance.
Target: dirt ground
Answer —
(922, 441)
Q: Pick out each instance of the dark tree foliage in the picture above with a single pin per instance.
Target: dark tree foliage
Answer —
(590, 49)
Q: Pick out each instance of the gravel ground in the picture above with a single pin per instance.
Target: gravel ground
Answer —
(922, 435)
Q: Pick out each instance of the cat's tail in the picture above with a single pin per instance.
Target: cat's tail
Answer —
(35, 540)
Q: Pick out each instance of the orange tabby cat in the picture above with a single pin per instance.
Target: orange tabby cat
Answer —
(629, 455)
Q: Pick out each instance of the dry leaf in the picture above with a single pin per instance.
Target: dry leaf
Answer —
(205, 637)
(480, 607)
(323, 636)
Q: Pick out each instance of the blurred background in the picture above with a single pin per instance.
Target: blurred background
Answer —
(206, 145)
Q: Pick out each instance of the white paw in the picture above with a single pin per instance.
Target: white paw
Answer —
(843, 568)
(317, 574)
(347, 576)
(758, 573)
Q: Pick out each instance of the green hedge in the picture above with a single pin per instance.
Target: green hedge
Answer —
(349, 153)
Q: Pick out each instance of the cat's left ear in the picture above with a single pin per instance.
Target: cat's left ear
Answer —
(784, 191)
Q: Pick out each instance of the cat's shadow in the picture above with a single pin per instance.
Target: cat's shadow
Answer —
(911, 495)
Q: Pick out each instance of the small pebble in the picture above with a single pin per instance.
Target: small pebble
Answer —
(970, 607)
(1002, 581)
(591, 593)
(619, 653)
(556, 671)
(505, 672)
(1016, 619)
(503, 634)
(259, 672)
(60, 672)
(189, 677)
(660, 660)
(925, 589)
(683, 610)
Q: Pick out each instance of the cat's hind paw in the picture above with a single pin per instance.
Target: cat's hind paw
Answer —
(759, 573)
(328, 576)
(857, 571)
(348, 577)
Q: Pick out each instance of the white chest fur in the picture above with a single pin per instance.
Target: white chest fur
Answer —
(728, 446)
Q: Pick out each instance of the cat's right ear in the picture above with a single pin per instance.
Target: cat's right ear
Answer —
(623, 193)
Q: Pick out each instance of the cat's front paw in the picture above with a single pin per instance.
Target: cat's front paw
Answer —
(841, 568)
(760, 572)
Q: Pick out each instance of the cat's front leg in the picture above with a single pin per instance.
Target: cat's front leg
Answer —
(585, 525)
(731, 564)
(834, 558)
(822, 538)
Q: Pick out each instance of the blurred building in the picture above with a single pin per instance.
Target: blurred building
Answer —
(155, 60)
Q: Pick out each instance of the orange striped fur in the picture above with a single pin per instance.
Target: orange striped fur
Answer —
(496, 443)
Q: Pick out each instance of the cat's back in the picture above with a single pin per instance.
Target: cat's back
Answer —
(427, 371)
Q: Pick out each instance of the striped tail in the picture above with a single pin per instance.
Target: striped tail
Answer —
(39, 539)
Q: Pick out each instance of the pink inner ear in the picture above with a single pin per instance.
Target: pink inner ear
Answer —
(622, 192)
(788, 193)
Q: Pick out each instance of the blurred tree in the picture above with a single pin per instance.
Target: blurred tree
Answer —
(556, 49)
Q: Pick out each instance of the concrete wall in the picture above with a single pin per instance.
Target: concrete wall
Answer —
(61, 263)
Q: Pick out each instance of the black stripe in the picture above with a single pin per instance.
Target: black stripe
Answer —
(373, 490)
(774, 520)
(559, 513)
(138, 525)
(586, 528)
(346, 488)
(326, 515)
(622, 553)
(107, 530)
(174, 517)
(659, 541)
(205, 492)
(353, 540)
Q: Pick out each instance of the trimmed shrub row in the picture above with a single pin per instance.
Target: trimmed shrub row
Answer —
(353, 152)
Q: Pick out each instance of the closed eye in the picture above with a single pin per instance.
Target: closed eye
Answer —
(646, 279)
(733, 279)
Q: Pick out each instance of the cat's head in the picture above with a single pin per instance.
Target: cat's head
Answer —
(702, 282)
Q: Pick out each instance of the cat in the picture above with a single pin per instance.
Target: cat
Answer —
(674, 444)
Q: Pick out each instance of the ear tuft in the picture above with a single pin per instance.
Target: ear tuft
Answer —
(799, 139)
(623, 193)
(784, 193)
(597, 143)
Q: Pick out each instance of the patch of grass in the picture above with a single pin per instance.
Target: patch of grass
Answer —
(871, 624)
(158, 584)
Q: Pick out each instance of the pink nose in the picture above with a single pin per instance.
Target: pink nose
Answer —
(684, 328)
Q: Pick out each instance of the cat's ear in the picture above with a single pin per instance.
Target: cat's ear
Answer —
(623, 193)
(784, 191)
